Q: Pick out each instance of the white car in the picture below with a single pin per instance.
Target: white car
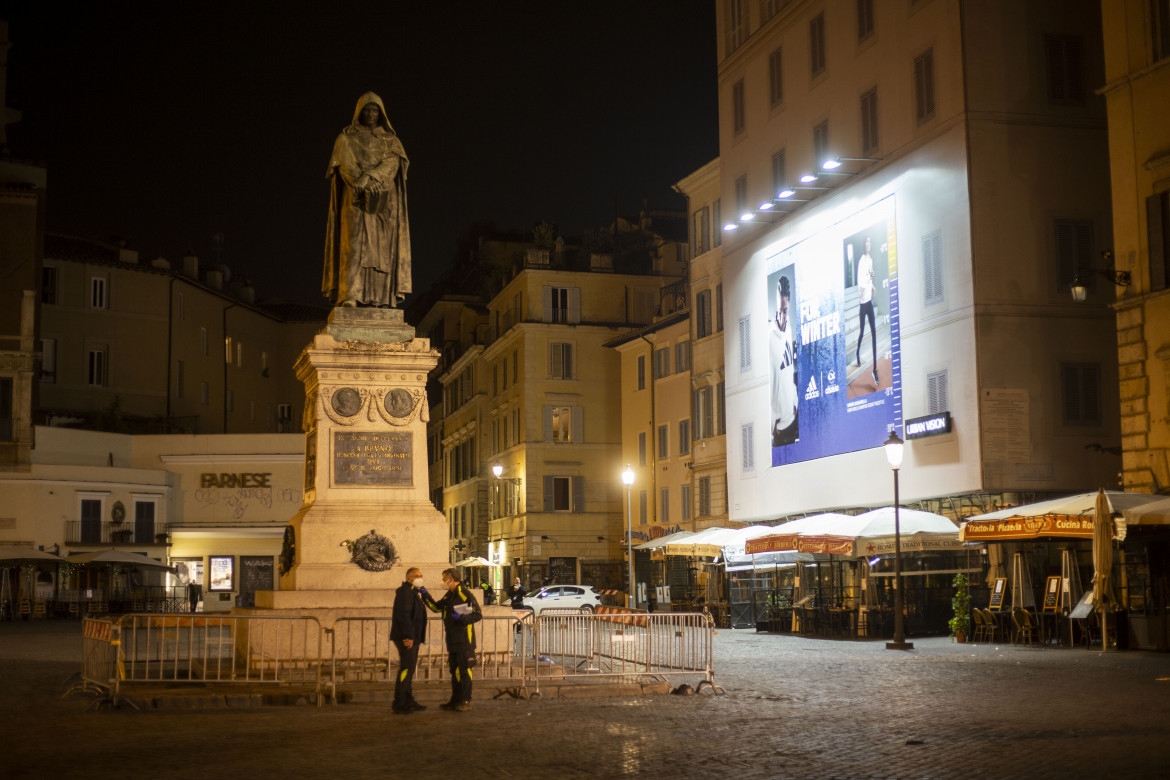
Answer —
(579, 597)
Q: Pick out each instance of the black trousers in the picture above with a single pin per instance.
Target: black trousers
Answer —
(457, 662)
(865, 312)
(407, 661)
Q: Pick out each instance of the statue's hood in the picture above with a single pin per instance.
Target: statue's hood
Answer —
(364, 101)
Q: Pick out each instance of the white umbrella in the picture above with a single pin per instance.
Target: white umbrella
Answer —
(119, 558)
(16, 554)
(475, 560)
(1102, 561)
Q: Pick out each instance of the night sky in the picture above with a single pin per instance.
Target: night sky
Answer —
(167, 123)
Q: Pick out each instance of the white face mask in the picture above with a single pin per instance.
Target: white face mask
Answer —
(417, 582)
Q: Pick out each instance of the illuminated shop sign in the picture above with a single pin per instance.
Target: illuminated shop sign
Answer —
(834, 339)
(930, 425)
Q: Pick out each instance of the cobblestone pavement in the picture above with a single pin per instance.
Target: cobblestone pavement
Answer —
(794, 707)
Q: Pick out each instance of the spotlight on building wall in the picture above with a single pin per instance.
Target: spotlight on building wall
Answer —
(766, 205)
(730, 226)
(786, 193)
(808, 178)
(747, 216)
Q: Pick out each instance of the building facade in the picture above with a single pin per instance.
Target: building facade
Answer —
(905, 208)
(138, 346)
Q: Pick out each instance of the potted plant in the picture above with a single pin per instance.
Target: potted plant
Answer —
(960, 624)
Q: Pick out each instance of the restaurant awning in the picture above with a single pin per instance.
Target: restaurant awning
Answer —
(871, 533)
(1070, 517)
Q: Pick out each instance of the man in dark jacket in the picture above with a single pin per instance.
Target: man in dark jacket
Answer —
(460, 610)
(408, 631)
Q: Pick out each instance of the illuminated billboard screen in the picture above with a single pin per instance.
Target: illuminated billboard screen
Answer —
(833, 339)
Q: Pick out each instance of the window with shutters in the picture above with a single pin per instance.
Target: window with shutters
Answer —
(821, 143)
(816, 45)
(932, 276)
(682, 357)
(96, 366)
(775, 78)
(684, 437)
(661, 362)
(684, 504)
(641, 372)
(642, 507)
(703, 314)
(560, 360)
(747, 447)
(924, 86)
(564, 494)
(564, 423)
(779, 172)
(663, 442)
(97, 293)
(49, 360)
(738, 110)
(1080, 393)
(704, 496)
(703, 413)
(735, 25)
(1074, 249)
(769, 8)
(48, 284)
(1160, 29)
(7, 422)
(1158, 239)
(717, 222)
(936, 392)
(642, 448)
(869, 122)
(721, 410)
(864, 19)
(664, 517)
(561, 304)
(741, 197)
(745, 343)
(701, 231)
(1066, 78)
(719, 308)
(203, 341)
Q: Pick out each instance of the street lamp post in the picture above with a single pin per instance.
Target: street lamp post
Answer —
(628, 480)
(893, 447)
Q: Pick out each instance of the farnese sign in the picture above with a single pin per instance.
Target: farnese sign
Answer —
(372, 458)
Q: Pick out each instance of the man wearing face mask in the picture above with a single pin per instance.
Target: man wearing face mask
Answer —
(408, 631)
(460, 610)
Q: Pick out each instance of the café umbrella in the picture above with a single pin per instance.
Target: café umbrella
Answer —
(1102, 561)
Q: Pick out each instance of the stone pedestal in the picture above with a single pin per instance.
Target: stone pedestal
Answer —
(365, 469)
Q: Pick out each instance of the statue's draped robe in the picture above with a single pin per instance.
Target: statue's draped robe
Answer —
(367, 239)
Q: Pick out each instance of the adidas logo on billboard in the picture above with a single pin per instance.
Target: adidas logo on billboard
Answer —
(812, 391)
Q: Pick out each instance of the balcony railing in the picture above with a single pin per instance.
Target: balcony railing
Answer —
(98, 532)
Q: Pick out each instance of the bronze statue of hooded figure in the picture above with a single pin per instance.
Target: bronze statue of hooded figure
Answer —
(367, 239)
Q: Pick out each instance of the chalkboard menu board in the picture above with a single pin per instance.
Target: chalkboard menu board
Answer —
(997, 593)
(563, 570)
(1051, 594)
(256, 573)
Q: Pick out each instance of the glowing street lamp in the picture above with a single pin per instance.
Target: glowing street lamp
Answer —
(894, 448)
(628, 481)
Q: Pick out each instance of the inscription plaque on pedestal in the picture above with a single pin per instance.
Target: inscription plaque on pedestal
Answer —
(372, 458)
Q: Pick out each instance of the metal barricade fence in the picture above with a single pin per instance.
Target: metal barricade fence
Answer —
(99, 657)
(182, 648)
(361, 652)
(624, 645)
